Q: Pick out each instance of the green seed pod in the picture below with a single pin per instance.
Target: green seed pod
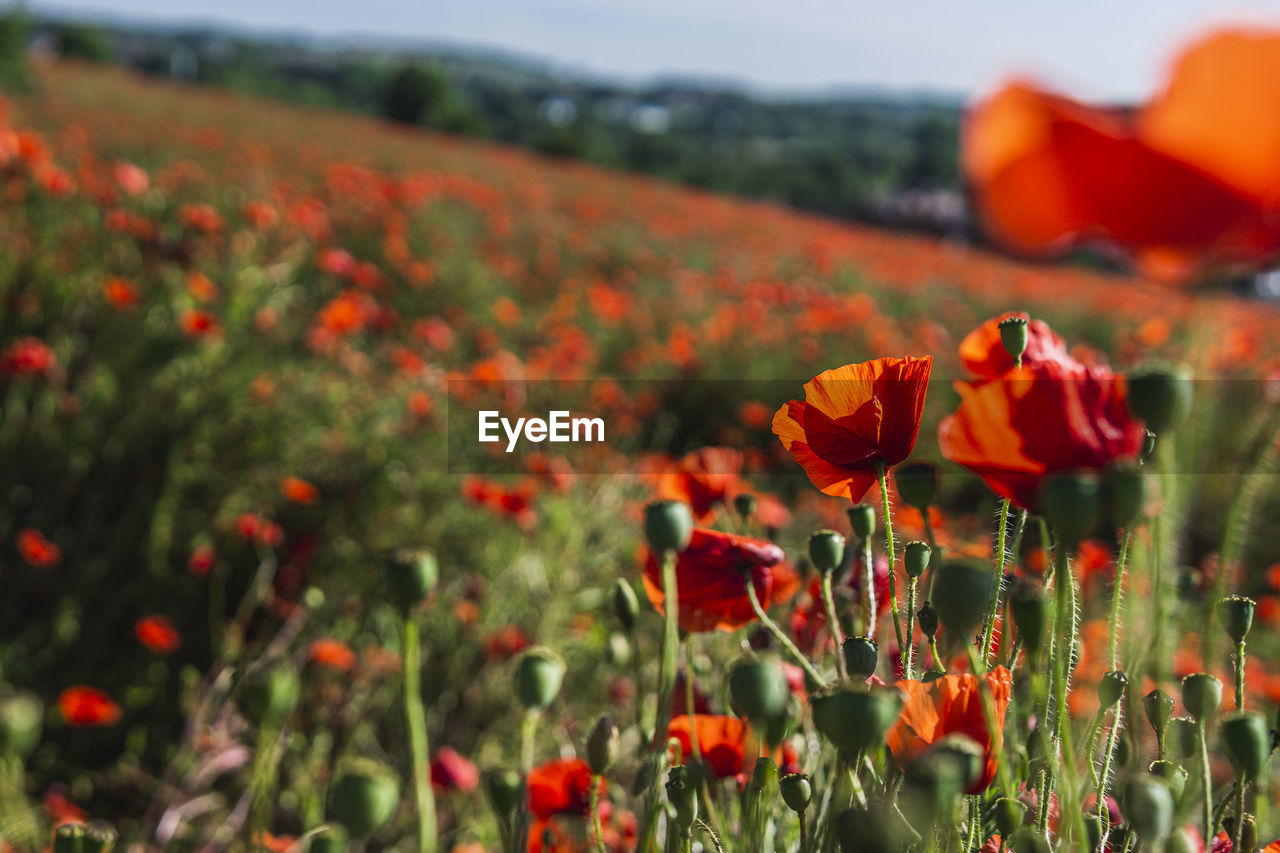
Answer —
(1148, 805)
(1092, 830)
(1183, 737)
(99, 837)
(1010, 815)
(1124, 494)
(1013, 334)
(964, 753)
(69, 838)
(961, 594)
(682, 791)
(1248, 742)
(411, 576)
(1112, 688)
(602, 746)
(758, 690)
(21, 722)
(915, 558)
(1201, 695)
(762, 794)
(928, 618)
(1235, 612)
(271, 694)
(1173, 775)
(1248, 837)
(861, 657)
(745, 505)
(1072, 503)
(826, 550)
(862, 518)
(1027, 840)
(917, 484)
(796, 791)
(330, 840)
(854, 718)
(1160, 395)
(538, 675)
(668, 526)
(780, 728)
(873, 830)
(503, 790)
(626, 607)
(364, 799)
(1158, 707)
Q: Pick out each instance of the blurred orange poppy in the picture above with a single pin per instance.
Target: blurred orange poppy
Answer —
(38, 551)
(725, 742)
(711, 577)
(561, 786)
(86, 706)
(982, 351)
(158, 634)
(853, 419)
(332, 654)
(948, 705)
(704, 479)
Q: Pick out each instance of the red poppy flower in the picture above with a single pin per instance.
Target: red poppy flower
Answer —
(725, 742)
(201, 561)
(299, 491)
(704, 479)
(947, 705)
(85, 706)
(332, 654)
(27, 357)
(451, 771)
(120, 293)
(853, 419)
(1013, 432)
(158, 634)
(711, 580)
(562, 786)
(38, 551)
(982, 351)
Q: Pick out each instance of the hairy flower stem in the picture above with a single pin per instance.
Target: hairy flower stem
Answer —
(782, 638)
(804, 831)
(1241, 785)
(597, 829)
(893, 559)
(993, 608)
(689, 705)
(829, 601)
(911, 628)
(1066, 631)
(1206, 783)
(869, 579)
(934, 549)
(1240, 677)
(527, 727)
(666, 688)
(416, 719)
(1117, 595)
(1104, 814)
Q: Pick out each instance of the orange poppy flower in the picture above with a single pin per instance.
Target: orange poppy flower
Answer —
(562, 786)
(726, 742)
(332, 654)
(38, 551)
(85, 706)
(704, 479)
(158, 634)
(1013, 432)
(853, 419)
(299, 491)
(711, 580)
(948, 705)
(982, 351)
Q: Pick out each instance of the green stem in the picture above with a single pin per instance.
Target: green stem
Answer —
(666, 687)
(869, 581)
(1104, 815)
(1240, 676)
(1239, 833)
(829, 601)
(1117, 595)
(596, 826)
(911, 628)
(936, 551)
(781, 636)
(527, 728)
(804, 832)
(893, 557)
(417, 722)
(1206, 782)
(988, 627)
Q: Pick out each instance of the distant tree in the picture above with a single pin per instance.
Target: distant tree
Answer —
(84, 41)
(15, 34)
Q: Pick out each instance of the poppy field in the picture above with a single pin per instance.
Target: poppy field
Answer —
(892, 544)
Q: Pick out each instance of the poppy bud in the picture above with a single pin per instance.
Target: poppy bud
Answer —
(364, 799)
(1248, 742)
(21, 721)
(602, 746)
(1029, 605)
(1235, 612)
(915, 558)
(758, 690)
(826, 550)
(917, 484)
(928, 618)
(1248, 836)
(854, 718)
(1124, 494)
(1111, 688)
(763, 788)
(1183, 736)
(962, 593)
(538, 676)
(328, 840)
(270, 695)
(965, 754)
(503, 790)
(1201, 695)
(619, 651)
(1160, 395)
(626, 607)
(745, 505)
(1148, 805)
(861, 656)
(1013, 334)
(862, 518)
(1027, 840)
(796, 791)
(1172, 775)
(1148, 445)
(68, 838)
(1010, 815)
(411, 575)
(1158, 707)
(668, 526)
(1072, 503)
(99, 837)
(683, 794)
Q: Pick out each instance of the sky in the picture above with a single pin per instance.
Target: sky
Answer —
(1097, 49)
